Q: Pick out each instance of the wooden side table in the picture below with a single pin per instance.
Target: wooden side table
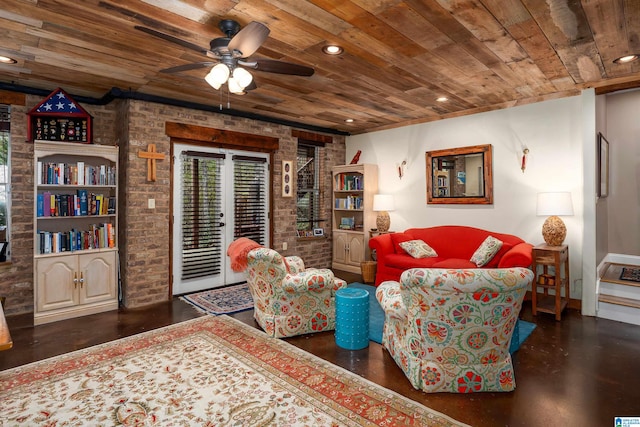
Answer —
(378, 233)
(558, 258)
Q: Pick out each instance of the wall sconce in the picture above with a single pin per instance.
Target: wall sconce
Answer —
(401, 169)
(523, 165)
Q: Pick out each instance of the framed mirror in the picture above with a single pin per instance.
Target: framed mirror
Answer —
(460, 176)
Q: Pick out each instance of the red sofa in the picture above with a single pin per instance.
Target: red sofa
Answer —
(454, 245)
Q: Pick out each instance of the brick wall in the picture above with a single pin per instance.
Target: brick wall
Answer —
(144, 234)
(16, 277)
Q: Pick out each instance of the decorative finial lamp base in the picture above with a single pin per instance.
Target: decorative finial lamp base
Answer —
(383, 221)
(554, 231)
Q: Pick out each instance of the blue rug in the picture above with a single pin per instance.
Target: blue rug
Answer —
(376, 321)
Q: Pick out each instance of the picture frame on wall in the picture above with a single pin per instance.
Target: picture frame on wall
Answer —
(287, 178)
(603, 166)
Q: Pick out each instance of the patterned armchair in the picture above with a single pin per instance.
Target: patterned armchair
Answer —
(450, 330)
(289, 299)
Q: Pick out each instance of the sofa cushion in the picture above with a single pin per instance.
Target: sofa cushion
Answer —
(398, 238)
(406, 261)
(418, 249)
(489, 247)
(493, 263)
(454, 263)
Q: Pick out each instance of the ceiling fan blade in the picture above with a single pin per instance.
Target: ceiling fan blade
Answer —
(279, 67)
(249, 39)
(172, 39)
(187, 67)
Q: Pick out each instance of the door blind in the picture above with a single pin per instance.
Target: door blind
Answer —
(250, 198)
(202, 214)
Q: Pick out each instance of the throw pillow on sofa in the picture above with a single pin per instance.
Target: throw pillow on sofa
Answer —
(398, 238)
(486, 251)
(418, 249)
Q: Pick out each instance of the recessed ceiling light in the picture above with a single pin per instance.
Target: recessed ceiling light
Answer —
(349, 120)
(7, 60)
(332, 49)
(625, 59)
(442, 99)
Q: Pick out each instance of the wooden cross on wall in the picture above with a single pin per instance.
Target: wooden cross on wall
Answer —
(151, 155)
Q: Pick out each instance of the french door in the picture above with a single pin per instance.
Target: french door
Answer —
(219, 195)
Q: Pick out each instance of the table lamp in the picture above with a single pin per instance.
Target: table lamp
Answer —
(554, 204)
(382, 203)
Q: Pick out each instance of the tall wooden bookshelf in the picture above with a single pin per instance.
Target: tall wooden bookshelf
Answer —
(353, 189)
(75, 230)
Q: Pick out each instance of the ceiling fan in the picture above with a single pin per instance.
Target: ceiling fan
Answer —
(230, 56)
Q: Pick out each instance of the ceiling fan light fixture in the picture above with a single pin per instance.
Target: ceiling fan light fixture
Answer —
(626, 59)
(217, 76)
(7, 60)
(234, 86)
(332, 49)
(442, 99)
(242, 77)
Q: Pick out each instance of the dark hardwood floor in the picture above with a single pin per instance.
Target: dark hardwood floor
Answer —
(581, 371)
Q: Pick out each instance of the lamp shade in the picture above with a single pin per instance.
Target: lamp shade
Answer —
(243, 77)
(559, 204)
(383, 202)
(217, 76)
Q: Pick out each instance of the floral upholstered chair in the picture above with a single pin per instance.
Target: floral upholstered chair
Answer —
(450, 330)
(289, 299)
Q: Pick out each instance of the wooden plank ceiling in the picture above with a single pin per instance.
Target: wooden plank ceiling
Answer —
(399, 55)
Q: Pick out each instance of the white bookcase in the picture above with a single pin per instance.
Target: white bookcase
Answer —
(75, 230)
(353, 189)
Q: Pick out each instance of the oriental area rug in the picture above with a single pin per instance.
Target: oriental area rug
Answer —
(631, 274)
(209, 371)
(227, 300)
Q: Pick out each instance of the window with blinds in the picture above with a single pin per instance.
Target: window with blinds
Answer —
(5, 210)
(202, 214)
(250, 198)
(308, 187)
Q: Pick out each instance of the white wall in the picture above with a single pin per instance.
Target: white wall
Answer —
(551, 130)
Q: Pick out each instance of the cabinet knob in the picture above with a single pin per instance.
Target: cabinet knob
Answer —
(81, 280)
(75, 280)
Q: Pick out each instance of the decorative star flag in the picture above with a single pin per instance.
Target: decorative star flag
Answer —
(59, 118)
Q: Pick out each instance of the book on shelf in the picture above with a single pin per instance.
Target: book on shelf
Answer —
(40, 205)
(111, 207)
(98, 236)
(75, 174)
(80, 173)
(348, 182)
(46, 203)
(83, 201)
(349, 202)
(347, 223)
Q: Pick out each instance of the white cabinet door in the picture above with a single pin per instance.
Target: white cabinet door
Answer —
(356, 250)
(57, 284)
(340, 247)
(97, 277)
